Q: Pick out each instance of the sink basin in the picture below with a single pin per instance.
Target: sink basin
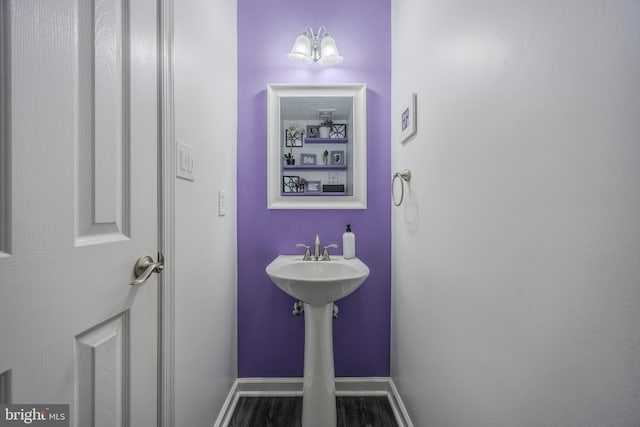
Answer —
(317, 283)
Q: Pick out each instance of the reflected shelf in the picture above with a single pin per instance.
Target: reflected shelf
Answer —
(310, 193)
(326, 140)
(315, 167)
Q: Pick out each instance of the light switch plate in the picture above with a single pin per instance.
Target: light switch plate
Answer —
(222, 203)
(185, 161)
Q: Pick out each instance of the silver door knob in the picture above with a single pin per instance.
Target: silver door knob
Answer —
(145, 266)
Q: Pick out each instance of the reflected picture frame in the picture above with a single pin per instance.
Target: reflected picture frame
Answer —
(314, 186)
(338, 130)
(313, 131)
(337, 158)
(290, 184)
(308, 159)
(293, 140)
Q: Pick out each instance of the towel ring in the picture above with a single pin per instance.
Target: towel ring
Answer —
(405, 175)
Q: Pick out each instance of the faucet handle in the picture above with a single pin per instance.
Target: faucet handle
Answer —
(307, 251)
(325, 252)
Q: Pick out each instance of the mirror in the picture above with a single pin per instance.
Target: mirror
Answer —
(317, 154)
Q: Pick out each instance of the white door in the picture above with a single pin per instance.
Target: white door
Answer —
(78, 207)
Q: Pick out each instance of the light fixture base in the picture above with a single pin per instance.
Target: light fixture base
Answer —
(317, 47)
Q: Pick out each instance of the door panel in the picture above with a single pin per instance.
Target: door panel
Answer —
(79, 202)
(103, 76)
(101, 380)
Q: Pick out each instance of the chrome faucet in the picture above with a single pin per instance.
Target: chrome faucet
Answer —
(316, 251)
(316, 248)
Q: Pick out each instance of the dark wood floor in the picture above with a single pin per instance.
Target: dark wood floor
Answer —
(370, 411)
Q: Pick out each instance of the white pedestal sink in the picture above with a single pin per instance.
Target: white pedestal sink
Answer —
(318, 284)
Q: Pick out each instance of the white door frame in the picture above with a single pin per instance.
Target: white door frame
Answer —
(166, 209)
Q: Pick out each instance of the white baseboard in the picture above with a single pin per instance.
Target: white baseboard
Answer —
(365, 386)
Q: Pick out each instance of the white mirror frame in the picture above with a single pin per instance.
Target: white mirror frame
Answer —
(275, 200)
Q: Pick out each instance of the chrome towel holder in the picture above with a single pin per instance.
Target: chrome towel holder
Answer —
(405, 175)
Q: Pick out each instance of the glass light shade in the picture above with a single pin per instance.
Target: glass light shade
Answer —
(329, 54)
(301, 50)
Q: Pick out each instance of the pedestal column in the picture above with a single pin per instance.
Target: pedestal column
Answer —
(319, 391)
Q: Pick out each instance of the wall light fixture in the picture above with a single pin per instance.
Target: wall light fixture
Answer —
(310, 47)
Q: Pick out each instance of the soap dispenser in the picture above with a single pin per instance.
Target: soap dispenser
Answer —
(348, 243)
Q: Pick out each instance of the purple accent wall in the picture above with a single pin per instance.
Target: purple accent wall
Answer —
(270, 338)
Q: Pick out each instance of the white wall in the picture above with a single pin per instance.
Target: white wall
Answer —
(205, 118)
(516, 258)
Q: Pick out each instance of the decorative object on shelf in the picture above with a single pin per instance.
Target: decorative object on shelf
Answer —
(408, 118)
(310, 47)
(307, 159)
(333, 178)
(325, 157)
(293, 136)
(325, 129)
(338, 130)
(288, 157)
(326, 113)
(313, 186)
(333, 188)
(301, 185)
(290, 184)
(313, 131)
(337, 157)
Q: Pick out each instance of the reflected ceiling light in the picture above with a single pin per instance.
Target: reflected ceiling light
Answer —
(310, 47)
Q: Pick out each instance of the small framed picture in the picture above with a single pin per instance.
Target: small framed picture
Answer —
(293, 139)
(408, 118)
(308, 159)
(314, 187)
(290, 184)
(337, 157)
(313, 131)
(338, 130)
